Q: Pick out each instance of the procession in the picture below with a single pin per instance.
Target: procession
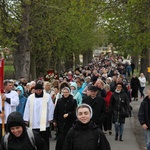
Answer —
(74, 75)
(81, 106)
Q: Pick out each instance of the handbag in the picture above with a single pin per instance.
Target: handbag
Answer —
(124, 113)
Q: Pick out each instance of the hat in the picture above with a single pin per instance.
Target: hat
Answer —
(94, 78)
(38, 86)
(93, 88)
(84, 106)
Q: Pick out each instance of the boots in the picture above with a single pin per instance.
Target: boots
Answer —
(120, 138)
(116, 136)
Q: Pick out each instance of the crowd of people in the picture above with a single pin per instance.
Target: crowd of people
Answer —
(81, 106)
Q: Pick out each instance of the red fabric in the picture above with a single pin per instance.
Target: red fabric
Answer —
(1, 75)
(107, 98)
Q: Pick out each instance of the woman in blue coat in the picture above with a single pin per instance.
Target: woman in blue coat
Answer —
(22, 100)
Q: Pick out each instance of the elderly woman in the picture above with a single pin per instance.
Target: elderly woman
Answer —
(64, 115)
(85, 134)
(101, 91)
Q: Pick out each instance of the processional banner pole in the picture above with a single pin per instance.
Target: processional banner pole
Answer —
(2, 91)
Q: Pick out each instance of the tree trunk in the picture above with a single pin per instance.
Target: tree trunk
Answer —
(32, 68)
(69, 63)
(22, 52)
(77, 60)
(87, 57)
(58, 66)
(135, 60)
(90, 55)
(145, 63)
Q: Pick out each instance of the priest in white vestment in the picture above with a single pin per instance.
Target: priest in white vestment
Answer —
(11, 99)
(39, 112)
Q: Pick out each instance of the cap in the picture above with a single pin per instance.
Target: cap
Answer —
(38, 86)
(93, 88)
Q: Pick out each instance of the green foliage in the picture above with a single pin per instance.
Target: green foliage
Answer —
(127, 24)
(8, 68)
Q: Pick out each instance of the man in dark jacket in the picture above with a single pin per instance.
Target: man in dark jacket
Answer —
(144, 117)
(98, 106)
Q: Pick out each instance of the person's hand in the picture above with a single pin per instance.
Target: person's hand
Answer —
(26, 122)
(3, 97)
(144, 126)
(55, 124)
(65, 115)
(2, 116)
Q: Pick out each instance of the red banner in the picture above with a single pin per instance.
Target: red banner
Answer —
(1, 75)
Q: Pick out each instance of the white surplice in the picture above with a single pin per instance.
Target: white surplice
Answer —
(37, 111)
(8, 108)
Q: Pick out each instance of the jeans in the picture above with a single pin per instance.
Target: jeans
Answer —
(147, 138)
(141, 91)
(119, 128)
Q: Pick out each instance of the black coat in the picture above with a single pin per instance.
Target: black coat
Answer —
(113, 88)
(86, 137)
(22, 142)
(98, 107)
(135, 85)
(144, 112)
(117, 101)
(63, 106)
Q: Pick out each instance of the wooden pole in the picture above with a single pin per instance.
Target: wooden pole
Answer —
(3, 119)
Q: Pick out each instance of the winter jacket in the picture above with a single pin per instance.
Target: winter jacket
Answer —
(98, 107)
(142, 81)
(63, 106)
(76, 95)
(22, 100)
(117, 102)
(86, 137)
(143, 114)
(22, 142)
(135, 83)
